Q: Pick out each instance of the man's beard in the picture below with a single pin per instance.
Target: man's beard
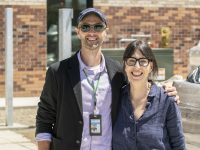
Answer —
(93, 45)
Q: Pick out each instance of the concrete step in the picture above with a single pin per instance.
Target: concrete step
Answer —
(191, 119)
(191, 126)
(190, 112)
(20, 102)
(193, 141)
(192, 147)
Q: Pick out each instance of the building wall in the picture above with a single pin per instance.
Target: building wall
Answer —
(23, 2)
(148, 3)
(29, 43)
(126, 18)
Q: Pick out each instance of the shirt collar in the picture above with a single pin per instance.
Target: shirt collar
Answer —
(126, 97)
(152, 92)
(101, 66)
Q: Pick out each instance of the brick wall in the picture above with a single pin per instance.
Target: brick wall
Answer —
(125, 17)
(23, 2)
(29, 49)
(182, 21)
(148, 3)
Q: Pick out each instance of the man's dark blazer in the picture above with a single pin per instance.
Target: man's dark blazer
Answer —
(60, 107)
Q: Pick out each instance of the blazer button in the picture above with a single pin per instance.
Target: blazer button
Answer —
(78, 142)
(80, 122)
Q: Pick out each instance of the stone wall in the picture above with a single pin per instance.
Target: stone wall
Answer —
(182, 21)
(29, 43)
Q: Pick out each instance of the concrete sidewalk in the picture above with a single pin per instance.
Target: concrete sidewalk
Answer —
(10, 140)
(21, 102)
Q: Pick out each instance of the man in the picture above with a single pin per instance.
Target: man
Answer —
(79, 101)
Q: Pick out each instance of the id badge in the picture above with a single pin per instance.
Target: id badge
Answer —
(95, 125)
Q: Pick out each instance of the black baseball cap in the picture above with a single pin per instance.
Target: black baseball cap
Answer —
(89, 11)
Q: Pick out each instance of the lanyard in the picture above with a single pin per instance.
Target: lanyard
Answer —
(94, 88)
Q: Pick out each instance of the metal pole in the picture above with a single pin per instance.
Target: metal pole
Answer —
(9, 65)
(65, 31)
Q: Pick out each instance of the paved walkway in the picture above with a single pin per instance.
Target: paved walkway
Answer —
(10, 140)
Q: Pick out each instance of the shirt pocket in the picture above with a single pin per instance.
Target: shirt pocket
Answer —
(153, 119)
(151, 137)
(151, 133)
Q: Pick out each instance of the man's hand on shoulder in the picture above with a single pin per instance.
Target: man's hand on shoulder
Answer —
(171, 91)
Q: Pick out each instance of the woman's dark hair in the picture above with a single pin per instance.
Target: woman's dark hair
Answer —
(145, 49)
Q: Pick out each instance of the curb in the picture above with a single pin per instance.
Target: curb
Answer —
(15, 126)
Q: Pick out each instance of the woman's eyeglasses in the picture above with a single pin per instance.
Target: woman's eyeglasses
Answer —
(131, 61)
(96, 27)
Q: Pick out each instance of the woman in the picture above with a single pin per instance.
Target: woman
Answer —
(148, 118)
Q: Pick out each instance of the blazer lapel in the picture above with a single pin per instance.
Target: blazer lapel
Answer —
(109, 66)
(116, 81)
(74, 74)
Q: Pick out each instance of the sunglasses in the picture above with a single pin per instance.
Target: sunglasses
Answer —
(131, 61)
(96, 27)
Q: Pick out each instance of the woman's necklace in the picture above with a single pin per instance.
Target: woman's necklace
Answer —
(148, 88)
(140, 108)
